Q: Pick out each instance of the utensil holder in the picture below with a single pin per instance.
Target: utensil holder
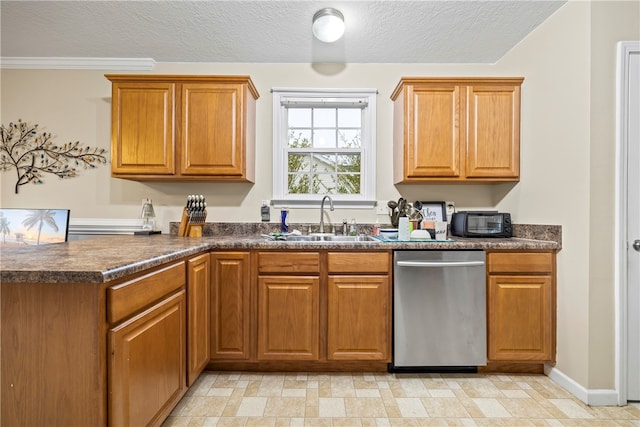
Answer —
(189, 227)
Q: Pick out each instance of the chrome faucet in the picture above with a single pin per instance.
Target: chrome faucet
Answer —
(322, 211)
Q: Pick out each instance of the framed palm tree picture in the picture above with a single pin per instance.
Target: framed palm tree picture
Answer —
(19, 227)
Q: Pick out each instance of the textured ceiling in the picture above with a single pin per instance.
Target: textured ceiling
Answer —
(390, 31)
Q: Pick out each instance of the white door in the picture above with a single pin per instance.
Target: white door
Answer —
(633, 225)
(629, 139)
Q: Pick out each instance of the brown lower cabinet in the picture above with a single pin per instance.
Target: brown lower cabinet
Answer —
(288, 327)
(53, 342)
(358, 318)
(147, 346)
(198, 315)
(147, 364)
(123, 353)
(359, 306)
(97, 354)
(298, 307)
(288, 306)
(230, 306)
(521, 307)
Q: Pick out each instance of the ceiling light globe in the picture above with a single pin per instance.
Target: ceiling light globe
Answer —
(328, 25)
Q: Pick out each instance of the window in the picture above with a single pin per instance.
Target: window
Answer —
(324, 143)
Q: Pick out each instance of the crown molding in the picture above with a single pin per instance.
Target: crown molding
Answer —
(59, 63)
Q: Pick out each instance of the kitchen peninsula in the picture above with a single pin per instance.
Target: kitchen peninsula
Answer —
(109, 331)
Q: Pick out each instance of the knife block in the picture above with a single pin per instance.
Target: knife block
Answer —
(189, 228)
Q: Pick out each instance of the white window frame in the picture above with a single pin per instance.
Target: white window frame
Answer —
(333, 98)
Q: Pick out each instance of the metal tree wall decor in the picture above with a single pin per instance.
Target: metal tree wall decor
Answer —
(33, 154)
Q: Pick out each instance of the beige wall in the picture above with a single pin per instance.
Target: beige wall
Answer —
(566, 154)
(75, 105)
(611, 21)
(555, 175)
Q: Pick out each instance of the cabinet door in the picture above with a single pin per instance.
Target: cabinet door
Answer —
(142, 129)
(520, 320)
(359, 318)
(288, 327)
(147, 364)
(432, 129)
(212, 140)
(230, 314)
(493, 131)
(198, 316)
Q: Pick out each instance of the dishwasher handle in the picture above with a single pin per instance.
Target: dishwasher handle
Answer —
(440, 264)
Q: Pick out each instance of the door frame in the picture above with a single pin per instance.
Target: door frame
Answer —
(624, 50)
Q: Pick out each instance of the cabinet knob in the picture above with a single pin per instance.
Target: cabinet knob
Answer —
(636, 245)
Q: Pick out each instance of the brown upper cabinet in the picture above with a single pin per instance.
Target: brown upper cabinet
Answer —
(177, 127)
(456, 130)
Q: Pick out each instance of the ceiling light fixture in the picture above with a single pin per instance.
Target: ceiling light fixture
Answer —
(328, 25)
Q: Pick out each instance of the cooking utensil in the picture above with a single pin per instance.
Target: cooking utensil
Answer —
(415, 214)
(402, 204)
(393, 214)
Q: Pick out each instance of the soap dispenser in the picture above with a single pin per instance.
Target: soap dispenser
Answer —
(352, 229)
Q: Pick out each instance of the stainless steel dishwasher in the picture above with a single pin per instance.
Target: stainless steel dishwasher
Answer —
(439, 311)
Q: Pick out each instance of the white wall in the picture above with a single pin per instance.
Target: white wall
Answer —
(564, 153)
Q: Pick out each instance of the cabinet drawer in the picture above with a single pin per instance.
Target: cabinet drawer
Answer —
(289, 262)
(358, 262)
(127, 298)
(520, 262)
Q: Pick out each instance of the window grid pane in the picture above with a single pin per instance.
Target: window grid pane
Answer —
(299, 138)
(332, 139)
(348, 183)
(299, 162)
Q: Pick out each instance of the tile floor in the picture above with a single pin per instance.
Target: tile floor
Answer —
(388, 400)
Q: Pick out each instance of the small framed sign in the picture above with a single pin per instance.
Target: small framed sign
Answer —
(434, 211)
(20, 227)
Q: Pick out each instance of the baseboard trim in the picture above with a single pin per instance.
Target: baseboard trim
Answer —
(592, 397)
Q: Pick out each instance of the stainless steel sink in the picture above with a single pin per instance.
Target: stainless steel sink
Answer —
(351, 239)
(301, 238)
(329, 238)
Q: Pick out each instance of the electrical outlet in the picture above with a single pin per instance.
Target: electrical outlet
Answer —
(451, 208)
(382, 208)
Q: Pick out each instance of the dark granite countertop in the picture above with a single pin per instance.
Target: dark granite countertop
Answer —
(112, 257)
(94, 260)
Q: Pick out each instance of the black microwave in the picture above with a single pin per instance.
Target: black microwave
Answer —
(481, 224)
